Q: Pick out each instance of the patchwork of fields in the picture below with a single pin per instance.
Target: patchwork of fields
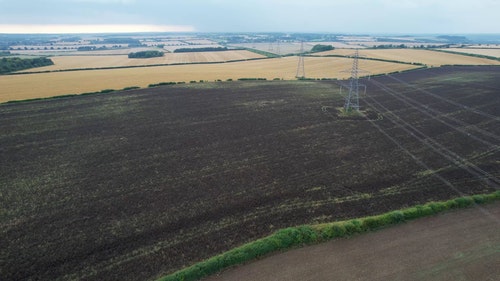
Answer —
(427, 57)
(133, 185)
(492, 52)
(89, 73)
(19, 87)
(100, 61)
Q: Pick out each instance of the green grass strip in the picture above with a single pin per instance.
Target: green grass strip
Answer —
(293, 237)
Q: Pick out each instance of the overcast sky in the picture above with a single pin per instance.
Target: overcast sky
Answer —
(345, 16)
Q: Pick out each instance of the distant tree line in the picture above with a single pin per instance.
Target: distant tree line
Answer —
(390, 46)
(145, 54)
(403, 46)
(206, 49)
(321, 48)
(87, 48)
(8, 65)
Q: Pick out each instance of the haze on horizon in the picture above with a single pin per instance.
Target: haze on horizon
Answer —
(347, 16)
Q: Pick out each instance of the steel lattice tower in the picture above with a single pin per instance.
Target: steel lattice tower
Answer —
(352, 99)
(271, 46)
(301, 73)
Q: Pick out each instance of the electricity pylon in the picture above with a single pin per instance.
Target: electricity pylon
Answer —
(352, 98)
(301, 73)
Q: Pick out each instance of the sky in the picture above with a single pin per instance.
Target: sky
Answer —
(345, 16)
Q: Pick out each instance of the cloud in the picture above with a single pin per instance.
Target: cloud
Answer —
(357, 16)
(105, 1)
(86, 28)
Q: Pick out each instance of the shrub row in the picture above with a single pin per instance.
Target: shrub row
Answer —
(303, 235)
(162, 84)
(251, 79)
(145, 54)
(203, 49)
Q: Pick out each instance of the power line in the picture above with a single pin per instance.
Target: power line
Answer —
(301, 73)
(484, 114)
(435, 113)
(440, 149)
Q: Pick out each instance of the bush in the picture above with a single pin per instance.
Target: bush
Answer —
(464, 201)
(478, 199)
(375, 222)
(353, 227)
(396, 217)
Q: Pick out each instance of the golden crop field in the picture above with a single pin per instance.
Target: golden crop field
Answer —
(430, 58)
(79, 62)
(27, 86)
(485, 52)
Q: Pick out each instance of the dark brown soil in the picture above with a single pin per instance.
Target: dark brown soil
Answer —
(136, 184)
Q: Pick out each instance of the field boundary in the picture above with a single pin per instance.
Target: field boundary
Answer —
(293, 237)
(133, 87)
(368, 58)
(467, 54)
(128, 66)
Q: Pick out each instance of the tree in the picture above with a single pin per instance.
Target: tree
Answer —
(145, 54)
(321, 48)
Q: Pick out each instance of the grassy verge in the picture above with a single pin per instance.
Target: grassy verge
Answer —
(309, 234)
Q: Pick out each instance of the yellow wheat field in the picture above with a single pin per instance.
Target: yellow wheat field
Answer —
(430, 58)
(484, 52)
(27, 86)
(79, 62)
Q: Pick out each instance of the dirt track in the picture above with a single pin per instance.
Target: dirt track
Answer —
(460, 245)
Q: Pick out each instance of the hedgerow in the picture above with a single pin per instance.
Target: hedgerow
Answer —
(292, 237)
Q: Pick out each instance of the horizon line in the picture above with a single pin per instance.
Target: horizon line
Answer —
(90, 28)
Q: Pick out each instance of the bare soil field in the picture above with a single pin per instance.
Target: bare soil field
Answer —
(461, 245)
(427, 57)
(81, 62)
(19, 87)
(137, 184)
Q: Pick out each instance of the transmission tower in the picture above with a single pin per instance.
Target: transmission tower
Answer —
(352, 98)
(271, 46)
(301, 73)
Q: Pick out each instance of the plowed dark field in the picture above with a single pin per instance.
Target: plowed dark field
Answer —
(133, 185)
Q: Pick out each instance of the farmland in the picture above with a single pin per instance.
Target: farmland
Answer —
(19, 87)
(101, 61)
(427, 57)
(94, 63)
(491, 52)
(136, 184)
